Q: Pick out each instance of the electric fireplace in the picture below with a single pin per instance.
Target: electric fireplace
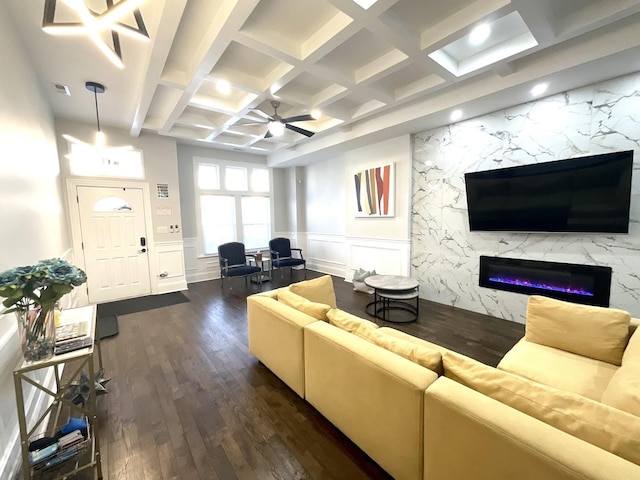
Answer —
(586, 284)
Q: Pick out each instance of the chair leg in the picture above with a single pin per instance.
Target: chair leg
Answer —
(304, 267)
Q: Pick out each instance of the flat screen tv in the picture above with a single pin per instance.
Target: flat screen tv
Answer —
(586, 194)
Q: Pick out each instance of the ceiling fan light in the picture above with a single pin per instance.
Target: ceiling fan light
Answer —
(276, 128)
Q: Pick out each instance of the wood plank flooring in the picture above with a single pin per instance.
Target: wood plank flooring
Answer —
(188, 401)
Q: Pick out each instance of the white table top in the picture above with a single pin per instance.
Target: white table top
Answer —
(391, 282)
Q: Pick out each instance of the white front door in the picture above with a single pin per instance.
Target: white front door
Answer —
(114, 241)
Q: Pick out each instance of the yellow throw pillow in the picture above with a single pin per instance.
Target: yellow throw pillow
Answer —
(419, 354)
(594, 332)
(632, 352)
(313, 309)
(318, 290)
(608, 428)
(348, 322)
(623, 391)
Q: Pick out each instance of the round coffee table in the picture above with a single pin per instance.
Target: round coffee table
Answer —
(393, 292)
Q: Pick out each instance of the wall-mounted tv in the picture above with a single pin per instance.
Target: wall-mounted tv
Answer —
(586, 194)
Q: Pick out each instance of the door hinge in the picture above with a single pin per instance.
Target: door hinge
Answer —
(77, 199)
(82, 245)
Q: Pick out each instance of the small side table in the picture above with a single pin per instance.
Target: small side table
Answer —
(393, 292)
(82, 358)
(264, 263)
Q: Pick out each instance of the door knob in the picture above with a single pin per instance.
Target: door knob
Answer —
(143, 250)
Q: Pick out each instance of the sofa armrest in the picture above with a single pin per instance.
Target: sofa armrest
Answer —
(275, 333)
(372, 395)
(469, 435)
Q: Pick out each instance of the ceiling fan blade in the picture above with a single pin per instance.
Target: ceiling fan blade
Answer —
(268, 134)
(304, 132)
(298, 118)
(261, 113)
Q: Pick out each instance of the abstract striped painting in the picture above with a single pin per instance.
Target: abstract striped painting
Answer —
(375, 191)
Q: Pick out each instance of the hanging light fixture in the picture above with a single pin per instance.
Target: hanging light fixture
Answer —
(95, 24)
(99, 149)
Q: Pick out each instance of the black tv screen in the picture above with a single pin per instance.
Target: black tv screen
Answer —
(586, 194)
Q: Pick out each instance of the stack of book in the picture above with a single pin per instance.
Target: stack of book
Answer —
(72, 336)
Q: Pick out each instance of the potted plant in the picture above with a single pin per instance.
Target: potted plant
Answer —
(32, 292)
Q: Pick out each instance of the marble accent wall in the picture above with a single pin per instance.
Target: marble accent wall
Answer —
(604, 117)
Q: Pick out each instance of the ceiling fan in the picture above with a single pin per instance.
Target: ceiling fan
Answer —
(277, 124)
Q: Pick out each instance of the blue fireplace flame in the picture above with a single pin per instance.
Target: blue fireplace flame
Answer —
(542, 286)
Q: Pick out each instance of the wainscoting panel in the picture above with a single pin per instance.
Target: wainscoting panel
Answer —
(171, 271)
(325, 253)
(199, 269)
(386, 257)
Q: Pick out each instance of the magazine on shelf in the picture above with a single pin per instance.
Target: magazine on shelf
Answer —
(70, 331)
(73, 332)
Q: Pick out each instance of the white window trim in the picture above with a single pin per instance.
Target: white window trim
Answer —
(222, 191)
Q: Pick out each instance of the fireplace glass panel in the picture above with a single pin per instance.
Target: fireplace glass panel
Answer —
(586, 284)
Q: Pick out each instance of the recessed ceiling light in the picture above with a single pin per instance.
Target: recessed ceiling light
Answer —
(315, 113)
(479, 34)
(539, 89)
(223, 87)
(456, 115)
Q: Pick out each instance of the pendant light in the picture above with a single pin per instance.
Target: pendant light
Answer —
(99, 149)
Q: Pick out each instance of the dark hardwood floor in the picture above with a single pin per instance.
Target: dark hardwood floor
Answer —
(188, 401)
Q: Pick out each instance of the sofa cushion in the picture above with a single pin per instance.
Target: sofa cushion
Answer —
(427, 357)
(613, 430)
(623, 391)
(313, 309)
(558, 368)
(595, 332)
(319, 290)
(632, 352)
(348, 322)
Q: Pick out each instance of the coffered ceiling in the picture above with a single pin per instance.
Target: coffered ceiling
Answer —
(398, 66)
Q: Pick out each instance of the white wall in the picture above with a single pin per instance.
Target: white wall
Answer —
(31, 209)
(445, 255)
(338, 242)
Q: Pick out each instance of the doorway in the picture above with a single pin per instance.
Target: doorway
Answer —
(113, 230)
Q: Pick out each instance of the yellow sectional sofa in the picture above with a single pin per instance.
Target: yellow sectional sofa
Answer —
(553, 409)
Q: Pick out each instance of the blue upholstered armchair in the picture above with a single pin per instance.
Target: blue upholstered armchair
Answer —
(233, 262)
(281, 256)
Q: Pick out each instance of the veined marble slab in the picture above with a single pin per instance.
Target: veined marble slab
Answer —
(604, 117)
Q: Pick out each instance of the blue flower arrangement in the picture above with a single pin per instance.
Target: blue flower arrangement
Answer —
(33, 291)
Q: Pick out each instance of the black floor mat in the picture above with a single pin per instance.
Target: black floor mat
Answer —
(140, 304)
(107, 326)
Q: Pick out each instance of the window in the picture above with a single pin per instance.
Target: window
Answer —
(234, 202)
(208, 177)
(256, 224)
(260, 180)
(86, 161)
(235, 178)
(218, 221)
